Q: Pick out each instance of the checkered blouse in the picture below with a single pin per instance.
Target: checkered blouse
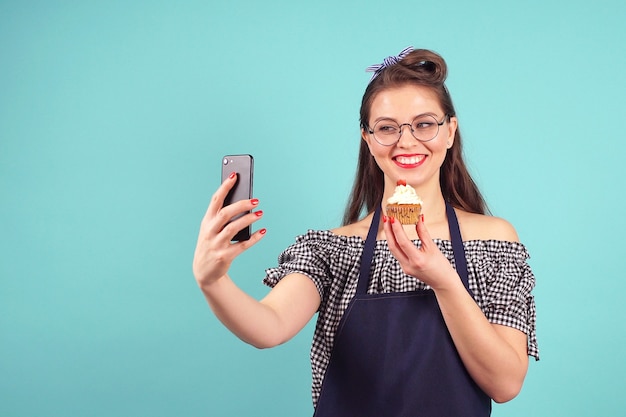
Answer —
(499, 277)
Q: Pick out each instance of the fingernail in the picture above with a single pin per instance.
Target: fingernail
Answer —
(263, 231)
(391, 220)
(422, 218)
(254, 201)
(232, 175)
(258, 213)
(384, 219)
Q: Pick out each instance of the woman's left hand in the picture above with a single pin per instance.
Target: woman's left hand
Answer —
(425, 263)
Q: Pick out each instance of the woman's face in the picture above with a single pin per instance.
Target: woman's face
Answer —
(416, 162)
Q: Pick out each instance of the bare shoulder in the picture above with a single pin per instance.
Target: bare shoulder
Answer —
(482, 227)
(359, 228)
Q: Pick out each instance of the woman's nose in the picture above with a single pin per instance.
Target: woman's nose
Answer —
(406, 136)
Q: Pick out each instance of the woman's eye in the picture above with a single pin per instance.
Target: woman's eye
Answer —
(423, 125)
(387, 129)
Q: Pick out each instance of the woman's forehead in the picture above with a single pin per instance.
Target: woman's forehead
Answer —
(406, 100)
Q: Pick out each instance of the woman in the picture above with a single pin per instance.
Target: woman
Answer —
(413, 320)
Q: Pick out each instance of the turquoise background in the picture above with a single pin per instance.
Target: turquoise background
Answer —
(114, 116)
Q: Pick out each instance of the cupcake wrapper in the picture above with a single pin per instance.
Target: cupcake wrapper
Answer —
(405, 213)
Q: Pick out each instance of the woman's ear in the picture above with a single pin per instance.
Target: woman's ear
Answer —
(366, 138)
(451, 131)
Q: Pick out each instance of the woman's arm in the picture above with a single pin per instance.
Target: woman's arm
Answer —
(282, 313)
(286, 309)
(494, 355)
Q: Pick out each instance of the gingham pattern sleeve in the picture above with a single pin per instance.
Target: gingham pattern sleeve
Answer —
(321, 255)
(502, 285)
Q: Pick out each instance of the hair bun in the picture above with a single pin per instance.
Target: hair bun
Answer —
(427, 65)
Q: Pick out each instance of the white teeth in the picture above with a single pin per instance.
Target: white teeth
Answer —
(409, 160)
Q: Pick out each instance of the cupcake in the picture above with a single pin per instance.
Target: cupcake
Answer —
(404, 205)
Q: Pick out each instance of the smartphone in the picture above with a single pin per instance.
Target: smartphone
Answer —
(243, 165)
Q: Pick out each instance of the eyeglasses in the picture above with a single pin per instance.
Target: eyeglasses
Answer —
(424, 127)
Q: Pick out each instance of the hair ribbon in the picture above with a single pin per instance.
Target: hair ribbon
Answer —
(387, 62)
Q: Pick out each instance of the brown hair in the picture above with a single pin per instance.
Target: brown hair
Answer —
(424, 68)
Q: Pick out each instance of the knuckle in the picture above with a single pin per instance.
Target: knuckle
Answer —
(230, 228)
(216, 199)
(224, 216)
(205, 223)
(219, 258)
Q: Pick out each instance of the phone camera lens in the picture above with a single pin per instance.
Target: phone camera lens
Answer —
(225, 162)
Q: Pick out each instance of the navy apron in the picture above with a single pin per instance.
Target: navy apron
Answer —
(393, 355)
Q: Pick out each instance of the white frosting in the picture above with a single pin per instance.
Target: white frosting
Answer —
(404, 194)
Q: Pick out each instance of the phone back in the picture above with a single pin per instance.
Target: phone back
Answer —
(243, 165)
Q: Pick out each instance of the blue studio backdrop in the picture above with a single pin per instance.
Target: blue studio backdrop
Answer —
(114, 116)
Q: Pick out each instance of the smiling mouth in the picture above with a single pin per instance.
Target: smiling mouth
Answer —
(409, 160)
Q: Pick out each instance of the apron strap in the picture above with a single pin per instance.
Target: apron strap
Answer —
(368, 252)
(457, 247)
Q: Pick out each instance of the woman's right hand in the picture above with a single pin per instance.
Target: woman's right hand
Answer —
(214, 250)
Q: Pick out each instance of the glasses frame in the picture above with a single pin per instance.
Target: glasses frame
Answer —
(410, 125)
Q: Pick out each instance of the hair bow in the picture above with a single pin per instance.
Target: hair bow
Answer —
(390, 60)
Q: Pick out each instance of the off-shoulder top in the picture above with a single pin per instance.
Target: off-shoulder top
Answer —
(499, 277)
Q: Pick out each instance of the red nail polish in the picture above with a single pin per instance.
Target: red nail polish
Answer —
(232, 175)
(258, 213)
(263, 231)
(422, 218)
(384, 219)
(391, 220)
(255, 201)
